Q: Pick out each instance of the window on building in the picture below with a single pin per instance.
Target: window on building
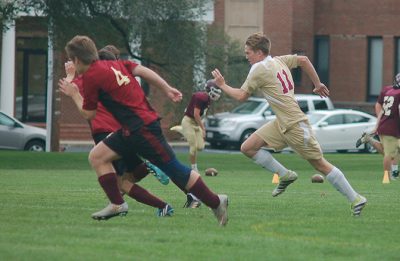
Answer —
(296, 72)
(321, 57)
(397, 56)
(31, 79)
(375, 65)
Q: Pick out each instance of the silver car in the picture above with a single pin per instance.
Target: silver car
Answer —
(232, 128)
(338, 130)
(15, 135)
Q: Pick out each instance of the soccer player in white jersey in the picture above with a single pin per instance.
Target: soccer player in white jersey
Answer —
(272, 77)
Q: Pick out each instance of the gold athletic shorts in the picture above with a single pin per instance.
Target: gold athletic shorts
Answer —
(298, 137)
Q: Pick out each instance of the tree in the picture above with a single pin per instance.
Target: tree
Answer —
(167, 36)
(227, 55)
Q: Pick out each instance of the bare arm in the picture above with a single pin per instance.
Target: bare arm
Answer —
(379, 113)
(71, 90)
(70, 71)
(309, 69)
(235, 93)
(378, 109)
(155, 80)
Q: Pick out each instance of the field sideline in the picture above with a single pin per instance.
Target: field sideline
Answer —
(47, 198)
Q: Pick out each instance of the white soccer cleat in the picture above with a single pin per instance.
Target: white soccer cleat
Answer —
(284, 182)
(221, 212)
(177, 128)
(192, 201)
(110, 211)
(365, 138)
(358, 205)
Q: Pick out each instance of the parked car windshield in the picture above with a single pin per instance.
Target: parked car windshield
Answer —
(6, 121)
(249, 107)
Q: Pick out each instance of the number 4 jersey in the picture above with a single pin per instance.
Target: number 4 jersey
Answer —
(112, 84)
(273, 79)
(389, 123)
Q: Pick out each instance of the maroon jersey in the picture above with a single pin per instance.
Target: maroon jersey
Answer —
(389, 123)
(103, 121)
(199, 100)
(112, 83)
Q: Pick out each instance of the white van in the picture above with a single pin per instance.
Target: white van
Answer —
(232, 128)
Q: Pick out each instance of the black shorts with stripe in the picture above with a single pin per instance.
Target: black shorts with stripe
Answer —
(148, 142)
(120, 165)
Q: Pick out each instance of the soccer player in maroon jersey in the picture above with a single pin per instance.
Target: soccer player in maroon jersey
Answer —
(101, 126)
(114, 85)
(193, 128)
(388, 126)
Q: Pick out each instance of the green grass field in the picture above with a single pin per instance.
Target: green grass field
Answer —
(47, 198)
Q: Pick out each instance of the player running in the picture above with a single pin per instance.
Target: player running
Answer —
(272, 77)
(114, 85)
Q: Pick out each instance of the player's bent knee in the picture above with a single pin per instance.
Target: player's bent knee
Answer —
(245, 150)
(95, 158)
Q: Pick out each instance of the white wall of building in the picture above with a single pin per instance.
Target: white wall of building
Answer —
(7, 88)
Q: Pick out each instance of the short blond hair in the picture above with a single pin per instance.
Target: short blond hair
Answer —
(83, 48)
(258, 41)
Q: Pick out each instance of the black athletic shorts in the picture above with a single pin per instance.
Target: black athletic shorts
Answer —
(120, 165)
(147, 142)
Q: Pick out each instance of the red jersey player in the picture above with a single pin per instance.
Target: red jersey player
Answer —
(113, 83)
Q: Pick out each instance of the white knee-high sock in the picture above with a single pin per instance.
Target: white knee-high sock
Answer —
(265, 159)
(339, 181)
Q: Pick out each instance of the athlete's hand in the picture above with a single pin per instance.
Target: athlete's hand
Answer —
(70, 70)
(218, 78)
(174, 94)
(321, 90)
(68, 88)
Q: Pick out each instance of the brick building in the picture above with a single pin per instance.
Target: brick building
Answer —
(354, 45)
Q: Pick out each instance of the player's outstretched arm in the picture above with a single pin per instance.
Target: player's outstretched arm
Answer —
(155, 80)
(237, 94)
(308, 68)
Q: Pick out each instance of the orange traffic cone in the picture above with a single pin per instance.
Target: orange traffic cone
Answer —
(275, 179)
(386, 179)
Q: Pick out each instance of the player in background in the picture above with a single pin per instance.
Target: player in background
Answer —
(193, 128)
(130, 172)
(272, 76)
(113, 83)
(388, 127)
